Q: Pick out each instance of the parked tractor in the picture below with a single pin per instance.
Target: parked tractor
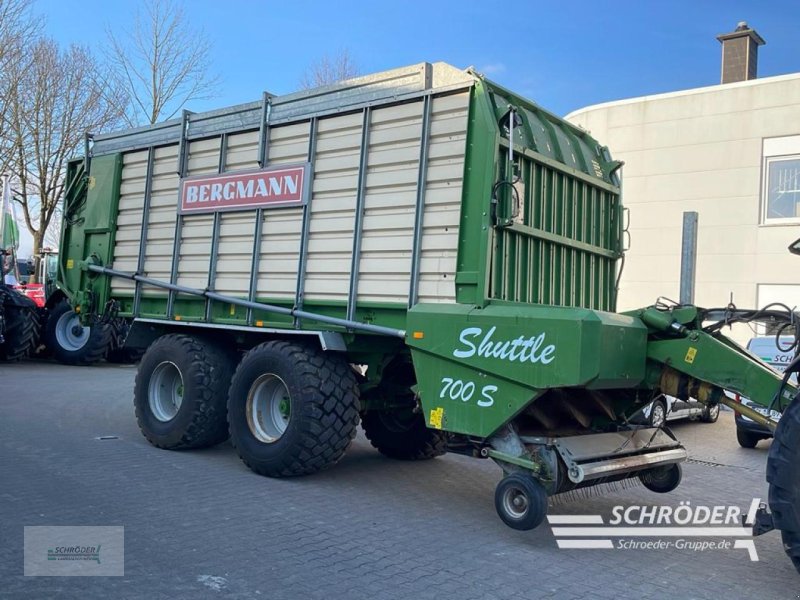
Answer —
(422, 251)
(62, 334)
(18, 322)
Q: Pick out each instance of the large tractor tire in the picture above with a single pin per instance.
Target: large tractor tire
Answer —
(292, 410)
(70, 342)
(402, 434)
(180, 393)
(399, 431)
(120, 353)
(783, 475)
(20, 326)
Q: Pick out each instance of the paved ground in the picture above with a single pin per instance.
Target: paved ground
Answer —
(200, 525)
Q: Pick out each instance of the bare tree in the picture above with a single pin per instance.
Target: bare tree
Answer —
(329, 69)
(58, 96)
(17, 27)
(163, 63)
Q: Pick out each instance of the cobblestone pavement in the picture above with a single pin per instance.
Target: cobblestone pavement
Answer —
(199, 524)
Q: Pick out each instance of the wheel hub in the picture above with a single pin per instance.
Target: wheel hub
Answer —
(269, 408)
(70, 334)
(165, 392)
(516, 502)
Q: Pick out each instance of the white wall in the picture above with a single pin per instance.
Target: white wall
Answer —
(701, 150)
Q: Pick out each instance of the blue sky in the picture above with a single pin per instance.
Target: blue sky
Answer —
(563, 55)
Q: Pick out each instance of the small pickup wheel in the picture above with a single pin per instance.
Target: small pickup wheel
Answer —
(747, 439)
(180, 392)
(292, 410)
(520, 501)
(662, 480)
(784, 483)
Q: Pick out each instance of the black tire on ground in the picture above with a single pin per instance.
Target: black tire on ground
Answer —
(710, 414)
(70, 342)
(292, 409)
(118, 352)
(662, 480)
(180, 393)
(520, 501)
(402, 434)
(783, 463)
(20, 333)
(747, 439)
(658, 414)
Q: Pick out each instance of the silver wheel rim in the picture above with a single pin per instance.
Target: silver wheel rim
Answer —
(658, 417)
(515, 502)
(268, 408)
(70, 334)
(165, 392)
(713, 412)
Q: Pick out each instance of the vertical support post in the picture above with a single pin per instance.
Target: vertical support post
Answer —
(301, 267)
(263, 158)
(254, 263)
(148, 191)
(359, 218)
(263, 132)
(212, 261)
(183, 153)
(688, 257)
(422, 176)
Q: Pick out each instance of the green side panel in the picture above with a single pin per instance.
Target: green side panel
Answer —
(555, 236)
(90, 210)
(503, 356)
(723, 363)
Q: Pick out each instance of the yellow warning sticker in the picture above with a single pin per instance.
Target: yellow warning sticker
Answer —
(690, 354)
(436, 418)
(70, 263)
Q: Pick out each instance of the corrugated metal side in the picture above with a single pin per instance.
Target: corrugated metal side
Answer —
(163, 212)
(443, 198)
(330, 243)
(389, 208)
(129, 219)
(389, 203)
(197, 230)
(281, 231)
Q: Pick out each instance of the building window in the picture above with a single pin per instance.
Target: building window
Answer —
(781, 179)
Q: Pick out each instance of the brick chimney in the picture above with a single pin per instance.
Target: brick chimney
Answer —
(740, 53)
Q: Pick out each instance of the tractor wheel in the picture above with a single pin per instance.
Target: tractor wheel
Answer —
(520, 501)
(180, 392)
(20, 332)
(119, 353)
(784, 482)
(662, 480)
(70, 342)
(292, 410)
(402, 434)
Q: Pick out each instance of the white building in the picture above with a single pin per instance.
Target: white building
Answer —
(730, 152)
